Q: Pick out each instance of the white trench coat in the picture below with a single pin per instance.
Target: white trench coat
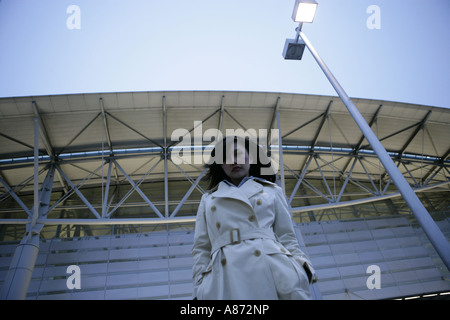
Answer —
(245, 247)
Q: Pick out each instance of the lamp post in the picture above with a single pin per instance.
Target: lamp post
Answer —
(434, 234)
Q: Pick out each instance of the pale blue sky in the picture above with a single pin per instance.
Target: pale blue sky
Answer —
(149, 45)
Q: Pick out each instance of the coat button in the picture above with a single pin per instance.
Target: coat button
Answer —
(258, 202)
(283, 250)
(213, 208)
(252, 218)
(223, 261)
(257, 253)
(218, 225)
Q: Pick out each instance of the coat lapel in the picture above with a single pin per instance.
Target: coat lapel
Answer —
(250, 188)
(226, 191)
(246, 191)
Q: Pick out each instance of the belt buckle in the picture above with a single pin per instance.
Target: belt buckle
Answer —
(235, 233)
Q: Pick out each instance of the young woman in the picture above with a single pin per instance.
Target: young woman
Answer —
(245, 247)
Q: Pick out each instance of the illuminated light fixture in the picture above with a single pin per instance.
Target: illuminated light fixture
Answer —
(304, 11)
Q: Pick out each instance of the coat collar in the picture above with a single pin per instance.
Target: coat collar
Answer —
(243, 193)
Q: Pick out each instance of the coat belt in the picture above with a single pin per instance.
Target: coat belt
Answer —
(235, 236)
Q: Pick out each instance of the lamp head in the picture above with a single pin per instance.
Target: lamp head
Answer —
(293, 49)
(304, 11)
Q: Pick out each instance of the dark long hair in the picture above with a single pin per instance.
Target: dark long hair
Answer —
(216, 174)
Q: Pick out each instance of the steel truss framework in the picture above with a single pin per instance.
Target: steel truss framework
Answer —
(141, 184)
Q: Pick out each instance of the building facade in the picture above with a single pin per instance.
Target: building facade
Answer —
(119, 180)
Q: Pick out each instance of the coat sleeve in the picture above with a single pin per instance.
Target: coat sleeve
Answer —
(201, 249)
(284, 229)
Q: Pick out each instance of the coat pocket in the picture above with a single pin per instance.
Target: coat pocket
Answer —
(201, 283)
(205, 276)
(291, 280)
(272, 247)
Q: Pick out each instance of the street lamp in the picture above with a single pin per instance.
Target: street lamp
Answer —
(304, 11)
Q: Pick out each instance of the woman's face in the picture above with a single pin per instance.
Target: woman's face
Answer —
(237, 164)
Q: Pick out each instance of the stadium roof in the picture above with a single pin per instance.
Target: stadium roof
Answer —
(108, 159)
(82, 131)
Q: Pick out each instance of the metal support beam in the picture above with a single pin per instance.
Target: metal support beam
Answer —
(138, 190)
(21, 269)
(15, 140)
(80, 195)
(331, 199)
(435, 235)
(106, 195)
(297, 185)
(410, 175)
(15, 197)
(434, 174)
(43, 132)
(46, 140)
(165, 155)
(393, 134)
(446, 155)
(443, 158)
(188, 193)
(189, 178)
(343, 204)
(201, 122)
(358, 145)
(271, 123)
(191, 219)
(346, 180)
(79, 133)
(108, 137)
(322, 122)
(376, 192)
(280, 149)
(132, 129)
(106, 128)
(133, 188)
(44, 197)
(324, 117)
(220, 125)
(420, 126)
(304, 124)
(235, 120)
(106, 222)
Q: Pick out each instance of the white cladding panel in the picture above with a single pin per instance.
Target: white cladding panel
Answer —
(158, 265)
